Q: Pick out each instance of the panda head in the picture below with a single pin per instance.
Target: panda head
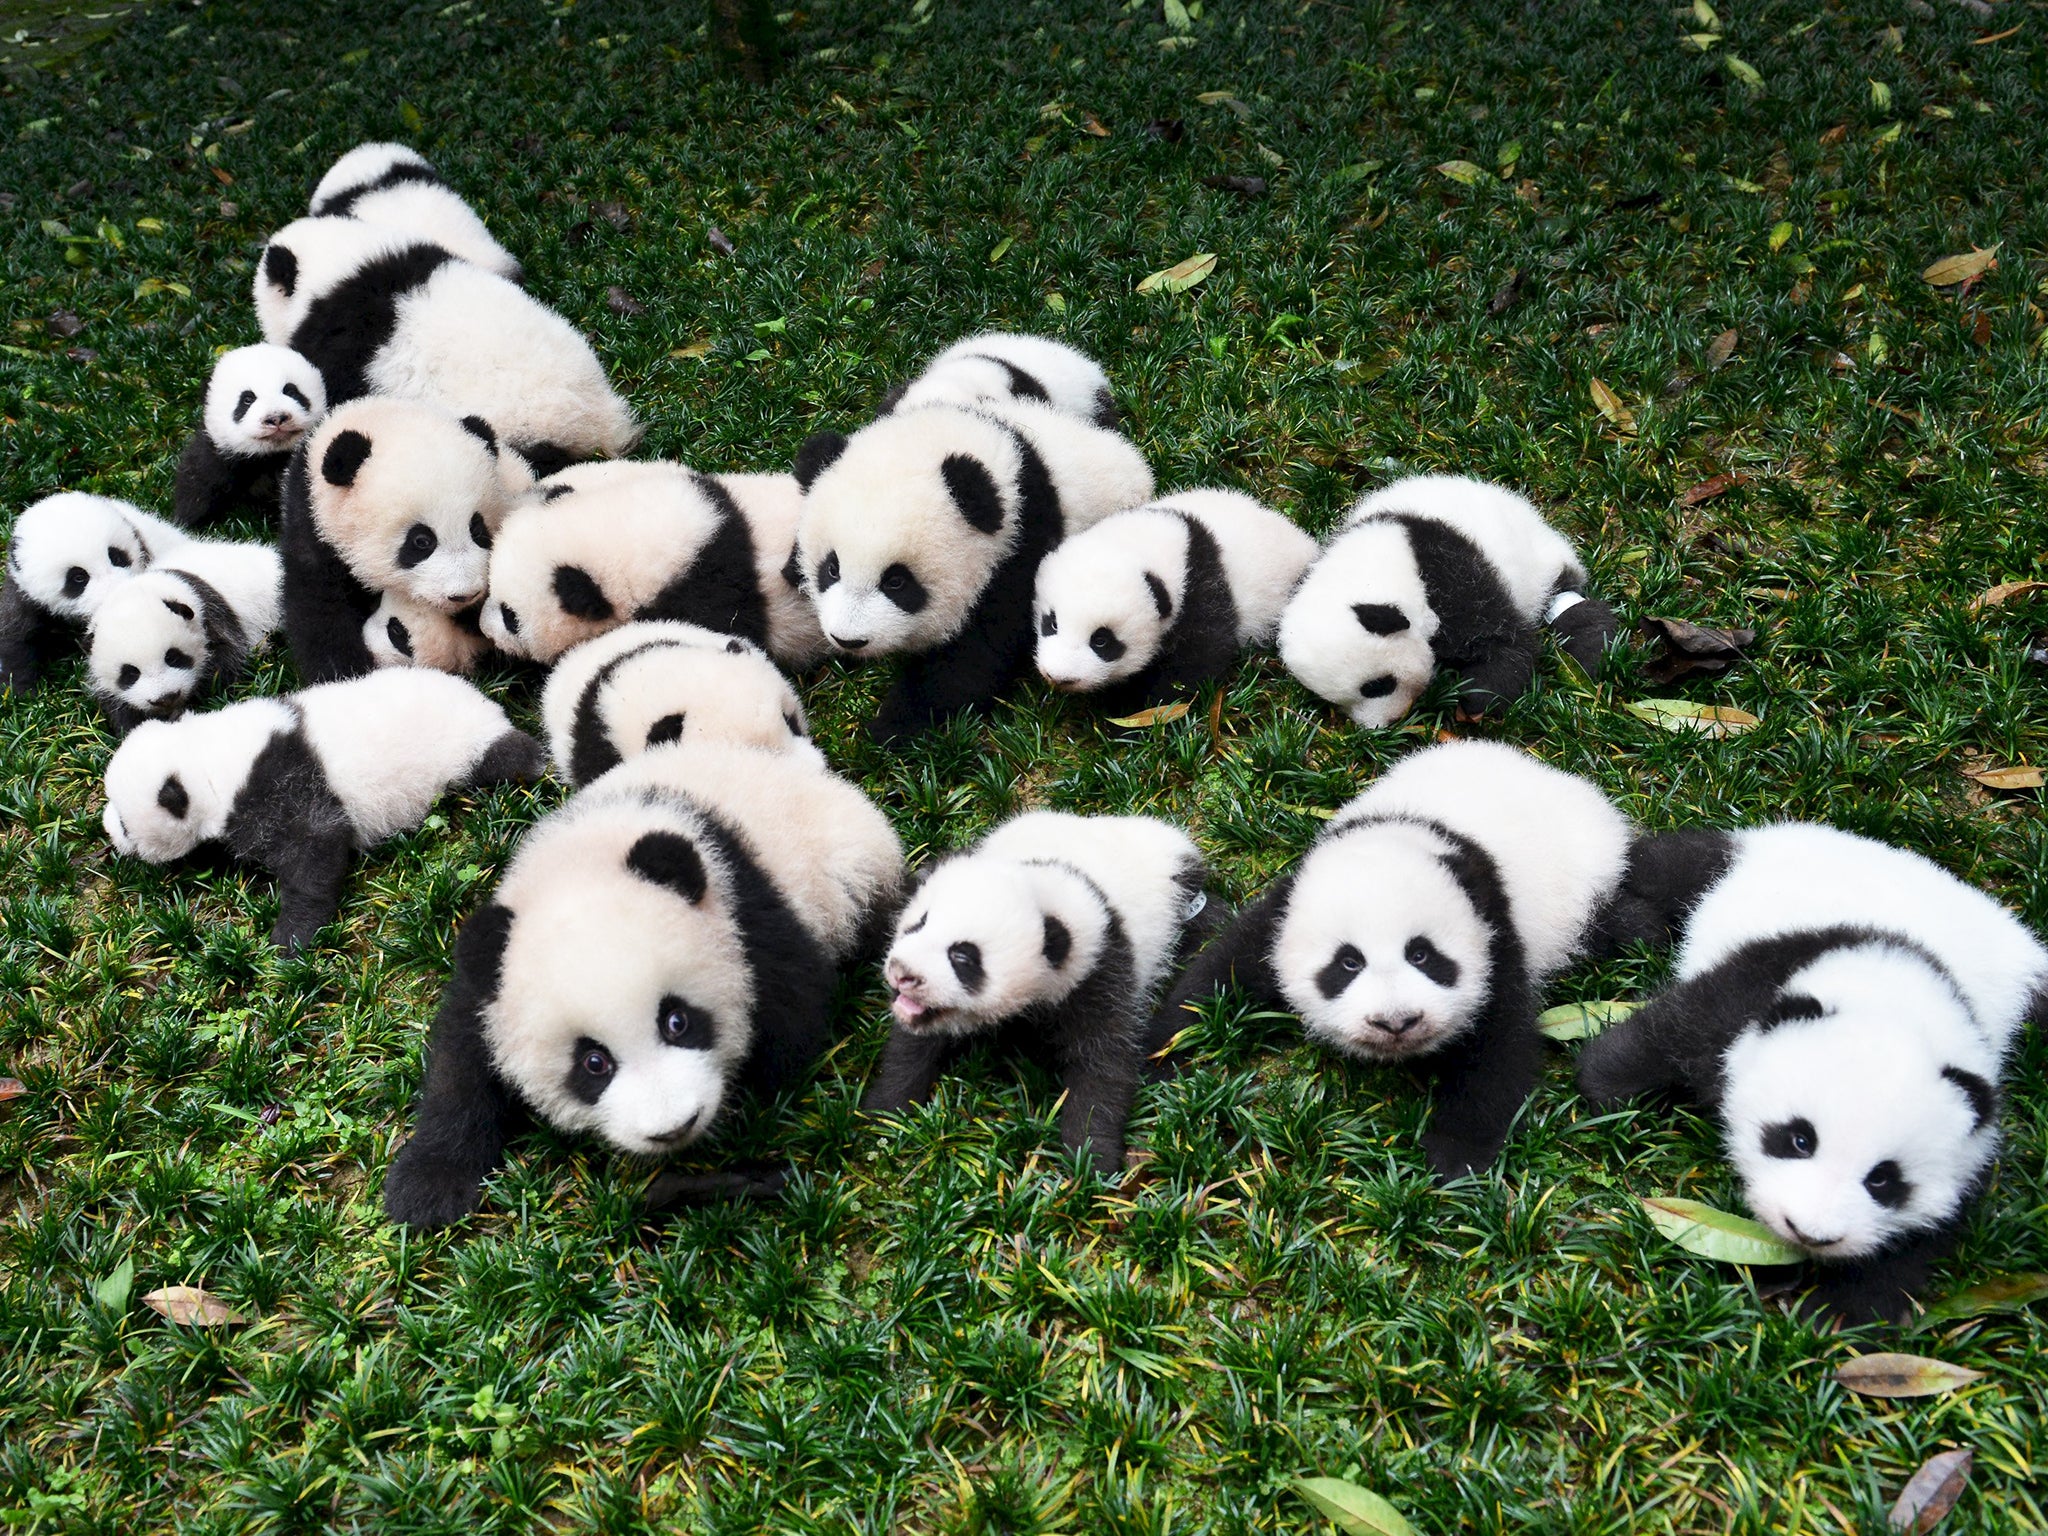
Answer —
(985, 937)
(149, 645)
(366, 166)
(262, 399)
(403, 634)
(1862, 1105)
(624, 1005)
(1381, 951)
(71, 550)
(903, 524)
(306, 259)
(411, 497)
(728, 692)
(1106, 599)
(162, 801)
(1357, 631)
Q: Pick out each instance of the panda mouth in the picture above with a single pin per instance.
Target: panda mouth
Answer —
(915, 1014)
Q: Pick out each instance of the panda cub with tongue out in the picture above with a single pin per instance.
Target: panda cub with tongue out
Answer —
(1052, 935)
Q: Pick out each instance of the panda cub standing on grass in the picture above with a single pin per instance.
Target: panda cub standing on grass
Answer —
(1419, 925)
(1844, 1008)
(1161, 598)
(67, 555)
(652, 683)
(162, 639)
(260, 401)
(1438, 571)
(999, 367)
(1051, 934)
(301, 784)
(394, 186)
(921, 533)
(666, 941)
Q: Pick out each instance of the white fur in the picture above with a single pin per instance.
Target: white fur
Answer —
(969, 373)
(1096, 581)
(250, 410)
(1560, 848)
(884, 502)
(106, 540)
(209, 753)
(136, 627)
(434, 639)
(429, 209)
(467, 339)
(772, 504)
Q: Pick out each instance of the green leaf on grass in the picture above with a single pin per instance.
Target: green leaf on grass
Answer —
(2001, 1293)
(1353, 1509)
(1582, 1021)
(112, 1292)
(1888, 1375)
(1685, 715)
(1181, 276)
(1464, 172)
(1719, 1235)
(1744, 72)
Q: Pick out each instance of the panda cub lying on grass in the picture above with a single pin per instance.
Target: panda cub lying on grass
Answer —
(1844, 1007)
(68, 554)
(666, 941)
(1051, 934)
(394, 186)
(300, 784)
(1000, 367)
(260, 401)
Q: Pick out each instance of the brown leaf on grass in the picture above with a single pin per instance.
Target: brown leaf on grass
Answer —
(1092, 126)
(1216, 719)
(223, 177)
(1243, 186)
(1966, 268)
(2018, 777)
(1505, 295)
(1836, 134)
(1708, 489)
(1889, 1375)
(2001, 1293)
(2004, 593)
(1722, 347)
(1689, 648)
(11, 1088)
(620, 302)
(1159, 714)
(1609, 405)
(1980, 329)
(190, 1305)
(719, 242)
(63, 324)
(1932, 1491)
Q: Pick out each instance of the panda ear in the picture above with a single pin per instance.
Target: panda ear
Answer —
(1380, 618)
(174, 797)
(892, 399)
(477, 427)
(579, 594)
(1160, 599)
(281, 269)
(1790, 1008)
(974, 492)
(182, 610)
(793, 568)
(344, 456)
(670, 859)
(817, 455)
(1058, 942)
(1982, 1096)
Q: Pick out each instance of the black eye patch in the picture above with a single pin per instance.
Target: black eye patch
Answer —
(510, 619)
(682, 1026)
(903, 588)
(667, 728)
(399, 636)
(75, 580)
(828, 570)
(173, 797)
(579, 595)
(1050, 624)
(1888, 1185)
(1161, 599)
(1377, 687)
(479, 531)
(1105, 644)
(116, 555)
(1344, 966)
(1431, 961)
(420, 542)
(177, 658)
(281, 267)
(965, 958)
(293, 392)
(182, 610)
(128, 676)
(1792, 1139)
(242, 404)
(1380, 618)
(556, 492)
(591, 1069)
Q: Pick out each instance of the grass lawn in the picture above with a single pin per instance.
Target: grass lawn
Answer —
(940, 1329)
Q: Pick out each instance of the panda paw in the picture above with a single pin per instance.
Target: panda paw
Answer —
(1452, 1157)
(425, 1191)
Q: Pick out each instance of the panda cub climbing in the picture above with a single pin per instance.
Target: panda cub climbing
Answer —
(921, 533)
(402, 633)
(600, 545)
(1420, 923)
(999, 367)
(665, 942)
(1052, 934)
(394, 496)
(67, 555)
(1438, 571)
(1845, 1009)
(164, 638)
(394, 186)
(1160, 599)
(648, 684)
(260, 401)
(301, 784)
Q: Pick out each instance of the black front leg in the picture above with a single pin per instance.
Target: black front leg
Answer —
(1097, 1111)
(25, 630)
(1667, 874)
(121, 716)
(1481, 1082)
(1499, 676)
(1237, 957)
(1635, 1056)
(1584, 631)
(208, 484)
(742, 1181)
(933, 686)
(907, 1073)
(514, 758)
(1881, 1288)
(311, 870)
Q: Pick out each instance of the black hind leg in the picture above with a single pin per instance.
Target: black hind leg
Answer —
(1584, 631)
(514, 758)
(24, 638)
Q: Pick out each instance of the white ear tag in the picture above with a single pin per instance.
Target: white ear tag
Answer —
(1562, 604)
(1201, 900)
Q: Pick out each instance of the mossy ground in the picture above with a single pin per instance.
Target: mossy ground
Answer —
(940, 1329)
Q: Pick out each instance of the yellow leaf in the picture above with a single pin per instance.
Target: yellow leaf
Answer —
(695, 349)
(1962, 269)
(1780, 234)
(1886, 1375)
(1582, 1021)
(1684, 715)
(154, 226)
(1181, 276)
(190, 1305)
(1610, 406)
(2005, 592)
(1703, 15)
(1464, 172)
(1159, 714)
(2020, 777)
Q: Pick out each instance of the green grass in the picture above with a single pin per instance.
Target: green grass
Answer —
(940, 1330)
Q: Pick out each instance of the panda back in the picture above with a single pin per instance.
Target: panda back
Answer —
(250, 577)
(1096, 471)
(1264, 555)
(1531, 557)
(391, 741)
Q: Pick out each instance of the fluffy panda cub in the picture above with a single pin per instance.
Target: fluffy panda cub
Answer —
(379, 312)
(260, 400)
(300, 784)
(1053, 932)
(387, 496)
(667, 940)
(1162, 597)
(1844, 1008)
(604, 544)
(921, 533)
(393, 185)
(67, 554)
(163, 639)
(1419, 925)
(659, 681)
(998, 367)
(402, 633)
(1438, 570)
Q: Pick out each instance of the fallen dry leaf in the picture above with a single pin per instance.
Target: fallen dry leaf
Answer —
(2001, 1293)
(1709, 488)
(1965, 268)
(1684, 715)
(2004, 593)
(1159, 714)
(1505, 295)
(190, 1305)
(1690, 648)
(719, 242)
(1932, 1491)
(1092, 125)
(1887, 1375)
(695, 349)
(1722, 347)
(2018, 777)
(1609, 405)
(63, 324)
(1181, 276)
(620, 302)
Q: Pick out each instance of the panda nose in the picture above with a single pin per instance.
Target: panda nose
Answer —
(680, 1133)
(278, 419)
(1396, 1027)
(849, 645)
(464, 599)
(1804, 1241)
(169, 700)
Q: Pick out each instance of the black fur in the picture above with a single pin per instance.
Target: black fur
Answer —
(514, 758)
(1201, 642)
(287, 818)
(1666, 876)
(579, 594)
(227, 643)
(346, 327)
(342, 204)
(1584, 631)
(818, 453)
(1107, 415)
(30, 637)
(545, 458)
(211, 483)
(1478, 630)
(721, 590)
(1238, 955)
(325, 607)
(1023, 385)
(591, 751)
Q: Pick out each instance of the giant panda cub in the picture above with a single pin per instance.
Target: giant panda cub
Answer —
(379, 312)
(300, 784)
(402, 633)
(604, 544)
(1438, 571)
(1844, 1008)
(659, 681)
(260, 400)
(387, 496)
(165, 637)
(1052, 933)
(1161, 598)
(921, 533)
(998, 367)
(664, 942)
(1420, 923)
(394, 186)
(68, 553)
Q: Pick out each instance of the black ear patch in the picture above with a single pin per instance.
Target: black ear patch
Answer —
(1058, 942)
(1160, 598)
(1790, 1008)
(670, 859)
(344, 456)
(818, 454)
(1983, 1097)
(580, 597)
(1380, 618)
(281, 269)
(974, 492)
(173, 797)
(182, 610)
(668, 728)
(478, 428)
(735, 647)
